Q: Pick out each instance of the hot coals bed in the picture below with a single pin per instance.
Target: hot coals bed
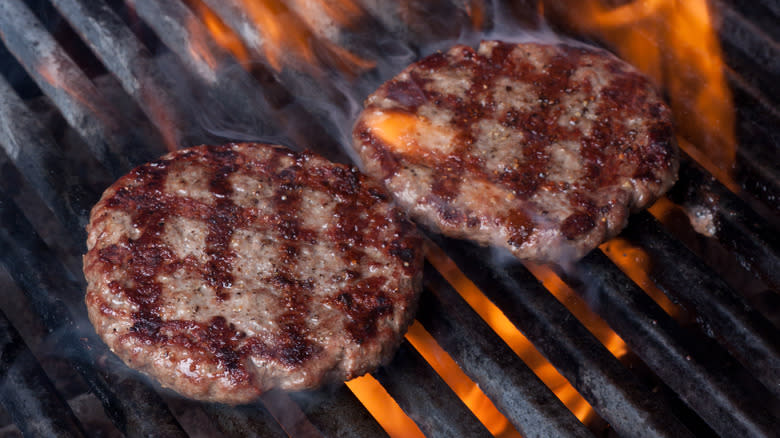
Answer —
(668, 330)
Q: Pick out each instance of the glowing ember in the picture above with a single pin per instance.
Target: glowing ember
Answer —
(579, 308)
(675, 43)
(382, 406)
(465, 388)
(510, 334)
(635, 263)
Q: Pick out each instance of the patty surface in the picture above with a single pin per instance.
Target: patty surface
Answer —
(225, 271)
(543, 149)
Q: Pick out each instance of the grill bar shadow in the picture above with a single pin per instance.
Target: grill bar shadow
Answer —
(721, 311)
(337, 412)
(426, 398)
(737, 226)
(26, 392)
(613, 391)
(134, 408)
(33, 151)
(706, 387)
(517, 392)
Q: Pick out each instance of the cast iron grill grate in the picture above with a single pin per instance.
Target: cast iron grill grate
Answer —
(719, 374)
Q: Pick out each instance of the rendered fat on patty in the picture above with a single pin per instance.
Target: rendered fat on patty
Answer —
(226, 271)
(543, 149)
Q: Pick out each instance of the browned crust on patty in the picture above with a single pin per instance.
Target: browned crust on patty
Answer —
(225, 271)
(542, 149)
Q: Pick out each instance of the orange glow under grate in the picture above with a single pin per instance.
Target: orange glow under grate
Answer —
(465, 388)
(283, 37)
(510, 334)
(673, 41)
(382, 407)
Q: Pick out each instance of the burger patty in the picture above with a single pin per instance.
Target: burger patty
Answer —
(225, 271)
(542, 149)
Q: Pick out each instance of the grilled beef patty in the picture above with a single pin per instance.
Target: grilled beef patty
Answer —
(542, 149)
(225, 271)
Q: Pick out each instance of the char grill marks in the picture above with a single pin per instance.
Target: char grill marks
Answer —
(537, 122)
(222, 223)
(148, 256)
(358, 225)
(287, 203)
(539, 128)
(744, 33)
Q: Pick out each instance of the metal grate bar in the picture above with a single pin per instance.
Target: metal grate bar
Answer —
(337, 412)
(426, 398)
(227, 84)
(738, 228)
(183, 33)
(66, 85)
(721, 311)
(122, 54)
(244, 421)
(758, 162)
(133, 407)
(517, 392)
(762, 13)
(27, 393)
(613, 391)
(706, 387)
(747, 43)
(229, 93)
(328, 92)
(37, 156)
(288, 414)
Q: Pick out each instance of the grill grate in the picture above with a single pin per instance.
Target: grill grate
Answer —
(492, 364)
(25, 384)
(719, 376)
(609, 387)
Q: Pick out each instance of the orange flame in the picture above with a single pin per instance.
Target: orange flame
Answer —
(222, 35)
(476, 12)
(510, 334)
(675, 43)
(635, 263)
(285, 37)
(282, 31)
(50, 74)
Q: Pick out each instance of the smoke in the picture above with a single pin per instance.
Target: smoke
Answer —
(330, 86)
